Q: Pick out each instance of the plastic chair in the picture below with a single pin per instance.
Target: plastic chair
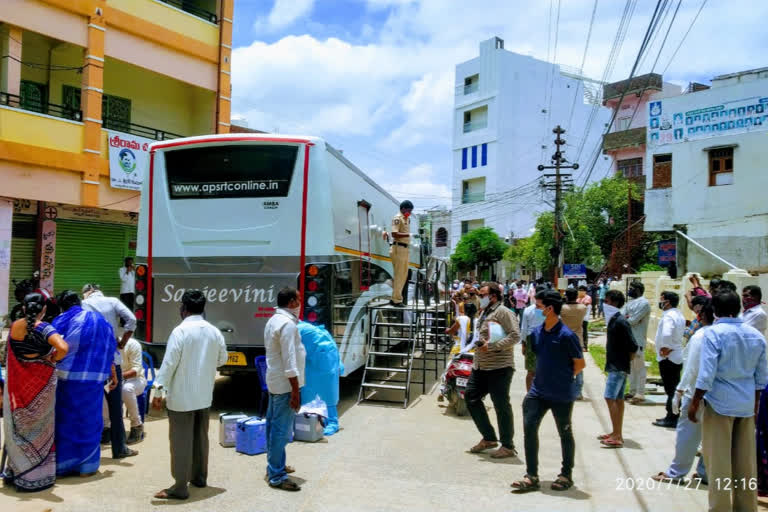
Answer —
(149, 368)
(261, 369)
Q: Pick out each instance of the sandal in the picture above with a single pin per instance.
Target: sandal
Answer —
(482, 446)
(563, 483)
(663, 477)
(165, 495)
(286, 485)
(603, 436)
(612, 443)
(527, 484)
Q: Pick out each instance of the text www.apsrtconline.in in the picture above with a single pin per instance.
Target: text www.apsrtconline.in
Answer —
(215, 188)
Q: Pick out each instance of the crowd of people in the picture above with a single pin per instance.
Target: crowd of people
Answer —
(714, 371)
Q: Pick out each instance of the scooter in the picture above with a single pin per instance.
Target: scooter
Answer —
(456, 379)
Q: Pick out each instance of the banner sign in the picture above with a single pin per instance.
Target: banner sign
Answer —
(48, 255)
(667, 126)
(667, 252)
(575, 271)
(128, 160)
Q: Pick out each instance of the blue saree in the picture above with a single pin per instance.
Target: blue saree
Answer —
(80, 391)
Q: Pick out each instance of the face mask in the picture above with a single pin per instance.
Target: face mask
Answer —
(407, 214)
(750, 303)
(662, 304)
(296, 311)
(609, 310)
(485, 301)
(539, 314)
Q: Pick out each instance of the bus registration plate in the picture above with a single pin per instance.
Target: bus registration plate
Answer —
(236, 359)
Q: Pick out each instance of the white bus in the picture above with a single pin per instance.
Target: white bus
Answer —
(241, 216)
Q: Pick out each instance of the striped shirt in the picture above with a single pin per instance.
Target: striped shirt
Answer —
(500, 354)
(733, 366)
(195, 349)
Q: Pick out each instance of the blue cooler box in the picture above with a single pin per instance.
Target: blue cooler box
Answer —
(251, 436)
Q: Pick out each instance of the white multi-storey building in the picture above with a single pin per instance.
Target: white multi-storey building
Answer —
(505, 108)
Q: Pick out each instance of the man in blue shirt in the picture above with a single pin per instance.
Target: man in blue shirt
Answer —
(559, 360)
(732, 372)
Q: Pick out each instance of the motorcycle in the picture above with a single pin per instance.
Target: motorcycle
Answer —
(456, 379)
(24, 288)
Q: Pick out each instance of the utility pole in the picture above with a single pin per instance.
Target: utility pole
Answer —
(561, 181)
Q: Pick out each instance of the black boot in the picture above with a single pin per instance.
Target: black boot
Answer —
(136, 435)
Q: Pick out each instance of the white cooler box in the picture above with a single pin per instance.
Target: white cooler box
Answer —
(308, 427)
(228, 427)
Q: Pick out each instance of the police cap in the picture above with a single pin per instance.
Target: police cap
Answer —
(406, 205)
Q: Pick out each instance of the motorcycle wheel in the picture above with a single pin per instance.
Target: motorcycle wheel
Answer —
(460, 406)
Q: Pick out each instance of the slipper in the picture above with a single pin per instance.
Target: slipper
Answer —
(612, 443)
(663, 477)
(482, 446)
(286, 485)
(165, 495)
(603, 436)
(503, 452)
(290, 469)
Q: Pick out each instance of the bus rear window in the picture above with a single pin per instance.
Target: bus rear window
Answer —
(230, 171)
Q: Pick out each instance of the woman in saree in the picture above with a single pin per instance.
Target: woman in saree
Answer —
(34, 348)
(80, 388)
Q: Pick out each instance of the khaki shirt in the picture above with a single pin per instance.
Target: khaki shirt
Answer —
(400, 224)
(572, 315)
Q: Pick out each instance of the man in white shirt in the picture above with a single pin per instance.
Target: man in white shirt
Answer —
(532, 318)
(127, 283)
(133, 386)
(754, 314)
(638, 314)
(195, 349)
(114, 312)
(669, 351)
(285, 376)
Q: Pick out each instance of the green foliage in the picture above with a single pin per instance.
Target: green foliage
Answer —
(650, 267)
(480, 247)
(594, 218)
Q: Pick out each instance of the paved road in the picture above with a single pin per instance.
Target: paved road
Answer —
(390, 459)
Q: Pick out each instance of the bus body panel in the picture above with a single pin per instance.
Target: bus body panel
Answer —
(240, 251)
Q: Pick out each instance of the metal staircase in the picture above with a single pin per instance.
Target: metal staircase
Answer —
(404, 343)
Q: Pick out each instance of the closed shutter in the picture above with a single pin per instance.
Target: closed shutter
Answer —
(91, 253)
(23, 244)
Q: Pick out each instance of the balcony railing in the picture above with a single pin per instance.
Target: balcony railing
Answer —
(470, 88)
(51, 109)
(624, 139)
(469, 197)
(475, 125)
(190, 7)
(139, 130)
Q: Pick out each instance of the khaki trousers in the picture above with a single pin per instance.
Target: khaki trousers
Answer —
(728, 446)
(188, 436)
(399, 256)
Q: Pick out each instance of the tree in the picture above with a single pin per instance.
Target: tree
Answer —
(480, 247)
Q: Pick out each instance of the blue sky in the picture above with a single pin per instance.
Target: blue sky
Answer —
(376, 77)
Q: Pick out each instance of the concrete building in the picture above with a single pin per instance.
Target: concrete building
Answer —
(705, 172)
(85, 86)
(505, 108)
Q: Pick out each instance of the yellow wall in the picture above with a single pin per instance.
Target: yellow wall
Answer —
(29, 128)
(158, 101)
(170, 18)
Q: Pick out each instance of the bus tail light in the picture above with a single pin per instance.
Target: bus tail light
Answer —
(317, 306)
(140, 301)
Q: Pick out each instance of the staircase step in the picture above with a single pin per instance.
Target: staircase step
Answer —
(397, 354)
(382, 386)
(379, 369)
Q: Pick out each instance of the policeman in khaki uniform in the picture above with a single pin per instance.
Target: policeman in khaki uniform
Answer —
(401, 236)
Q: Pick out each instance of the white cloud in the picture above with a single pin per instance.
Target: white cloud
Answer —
(283, 14)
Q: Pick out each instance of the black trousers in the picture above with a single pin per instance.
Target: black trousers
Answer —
(496, 382)
(127, 299)
(534, 410)
(115, 406)
(585, 332)
(670, 376)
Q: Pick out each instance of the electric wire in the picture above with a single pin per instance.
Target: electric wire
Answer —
(674, 54)
(583, 61)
